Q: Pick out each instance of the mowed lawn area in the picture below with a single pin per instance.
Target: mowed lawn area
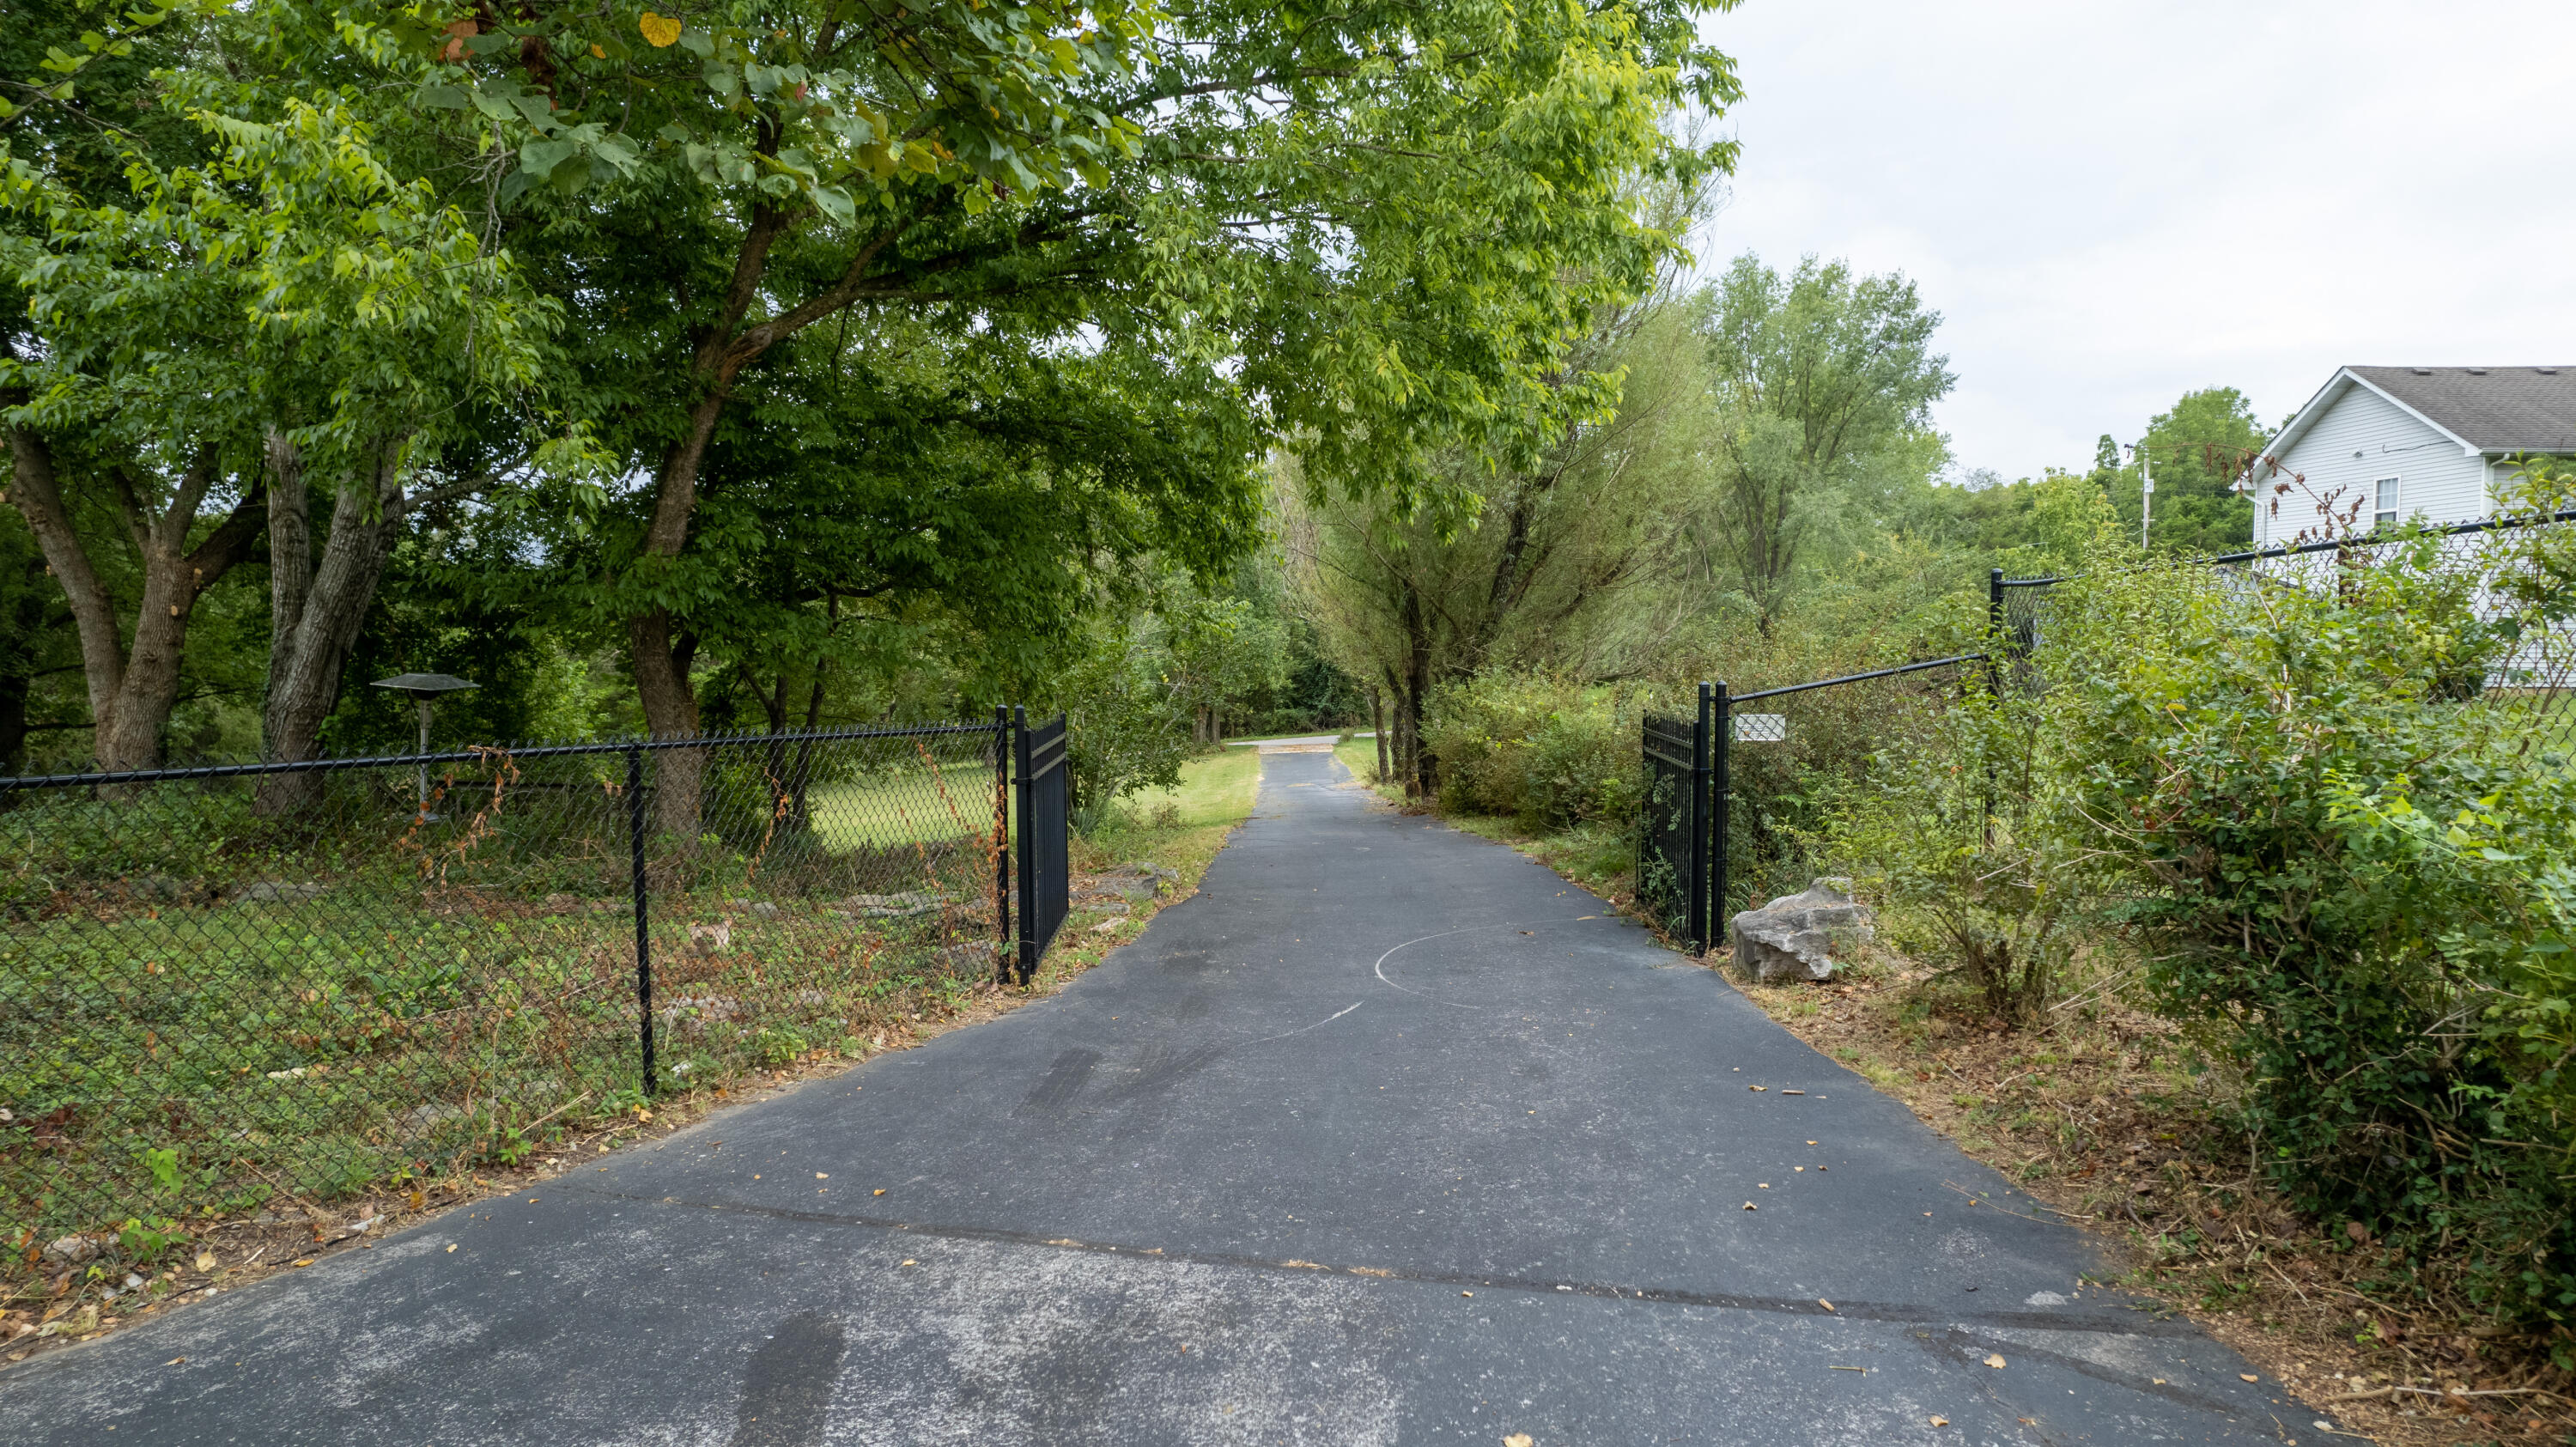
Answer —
(1215, 788)
(911, 806)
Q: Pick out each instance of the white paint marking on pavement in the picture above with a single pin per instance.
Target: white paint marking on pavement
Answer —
(1379, 969)
(1302, 1029)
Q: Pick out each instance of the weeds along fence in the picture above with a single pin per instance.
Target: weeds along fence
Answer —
(1736, 798)
(2510, 617)
(229, 984)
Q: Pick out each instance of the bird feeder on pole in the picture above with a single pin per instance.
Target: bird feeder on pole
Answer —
(424, 689)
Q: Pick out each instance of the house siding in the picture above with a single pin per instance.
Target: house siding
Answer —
(2437, 480)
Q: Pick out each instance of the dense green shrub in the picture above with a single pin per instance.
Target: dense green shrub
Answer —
(1546, 753)
(2357, 869)
(1950, 839)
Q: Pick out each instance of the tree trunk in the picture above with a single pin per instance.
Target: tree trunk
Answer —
(315, 614)
(132, 688)
(1377, 728)
(662, 682)
(1409, 698)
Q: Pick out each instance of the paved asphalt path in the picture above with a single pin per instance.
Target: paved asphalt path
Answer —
(1388, 1135)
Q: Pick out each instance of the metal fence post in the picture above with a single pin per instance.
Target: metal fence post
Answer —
(1699, 823)
(643, 916)
(1002, 842)
(1721, 738)
(1994, 683)
(1028, 951)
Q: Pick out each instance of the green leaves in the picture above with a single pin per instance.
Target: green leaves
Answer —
(2308, 796)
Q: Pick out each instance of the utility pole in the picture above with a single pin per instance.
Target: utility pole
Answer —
(2146, 492)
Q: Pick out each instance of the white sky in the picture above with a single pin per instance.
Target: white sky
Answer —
(2115, 202)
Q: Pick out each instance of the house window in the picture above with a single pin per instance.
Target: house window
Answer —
(2384, 512)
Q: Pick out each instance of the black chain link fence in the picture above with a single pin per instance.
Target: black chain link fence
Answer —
(1781, 758)
(226, 986)
(2504, 585)
(1794, 752)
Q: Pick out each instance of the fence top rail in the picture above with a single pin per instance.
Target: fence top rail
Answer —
(466, 756)
(2348, 541)
(1860, 677)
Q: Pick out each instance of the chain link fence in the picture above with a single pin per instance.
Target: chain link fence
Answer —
(2501, 586)
(229, 985)
(1776, 760)
(1792, 753)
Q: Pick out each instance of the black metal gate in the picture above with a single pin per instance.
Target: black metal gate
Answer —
(1046, 807)
(1673, 832)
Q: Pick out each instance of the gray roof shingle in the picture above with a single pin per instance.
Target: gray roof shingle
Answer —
(2495, 409)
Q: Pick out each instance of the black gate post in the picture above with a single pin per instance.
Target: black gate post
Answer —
(1027, 960)
(1699, 907)
(1002, 842)
(1994, 683)
(1721, 732)
(643, 932)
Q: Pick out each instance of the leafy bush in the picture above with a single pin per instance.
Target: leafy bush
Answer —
(1546, 753)
(2355, 868)
(1982, 894)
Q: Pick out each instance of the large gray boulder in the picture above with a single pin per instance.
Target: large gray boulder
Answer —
(1794, 937)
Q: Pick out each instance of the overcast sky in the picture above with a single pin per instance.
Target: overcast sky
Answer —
(2113, 203)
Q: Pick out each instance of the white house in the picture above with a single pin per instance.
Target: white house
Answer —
(2381, 444)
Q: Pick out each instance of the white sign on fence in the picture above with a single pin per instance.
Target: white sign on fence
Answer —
(1761, 728)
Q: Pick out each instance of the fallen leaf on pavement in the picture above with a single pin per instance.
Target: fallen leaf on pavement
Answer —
(1757, 1087)
(451, 1245)
(174, 1361)
(1751, 1207)
(1518, 1439)
(1827, 1305)
(1995, 1360)
(2247, 1377)
(1940, 1421)
(880, 1191)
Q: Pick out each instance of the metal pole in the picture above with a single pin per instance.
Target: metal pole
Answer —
(423, 701)
(1721, 800)
(1699, 823)
(643, 935)
(2146, 492)
(1995, 646)
(1002, 841)
(1028, 951)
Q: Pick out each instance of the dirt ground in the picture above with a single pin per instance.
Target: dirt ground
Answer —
(2098, 1112)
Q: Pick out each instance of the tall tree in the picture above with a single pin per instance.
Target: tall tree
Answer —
(1559, 567)
(1825, 380)
(1375, 227)
(2198, 448)
(242, 312)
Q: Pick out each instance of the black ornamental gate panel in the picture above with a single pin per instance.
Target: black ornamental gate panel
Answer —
(1673, 824)
(1045, 782)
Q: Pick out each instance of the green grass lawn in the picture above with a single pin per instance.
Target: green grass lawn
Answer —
(1215, 788)
(1360, 757)
(914, 806)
